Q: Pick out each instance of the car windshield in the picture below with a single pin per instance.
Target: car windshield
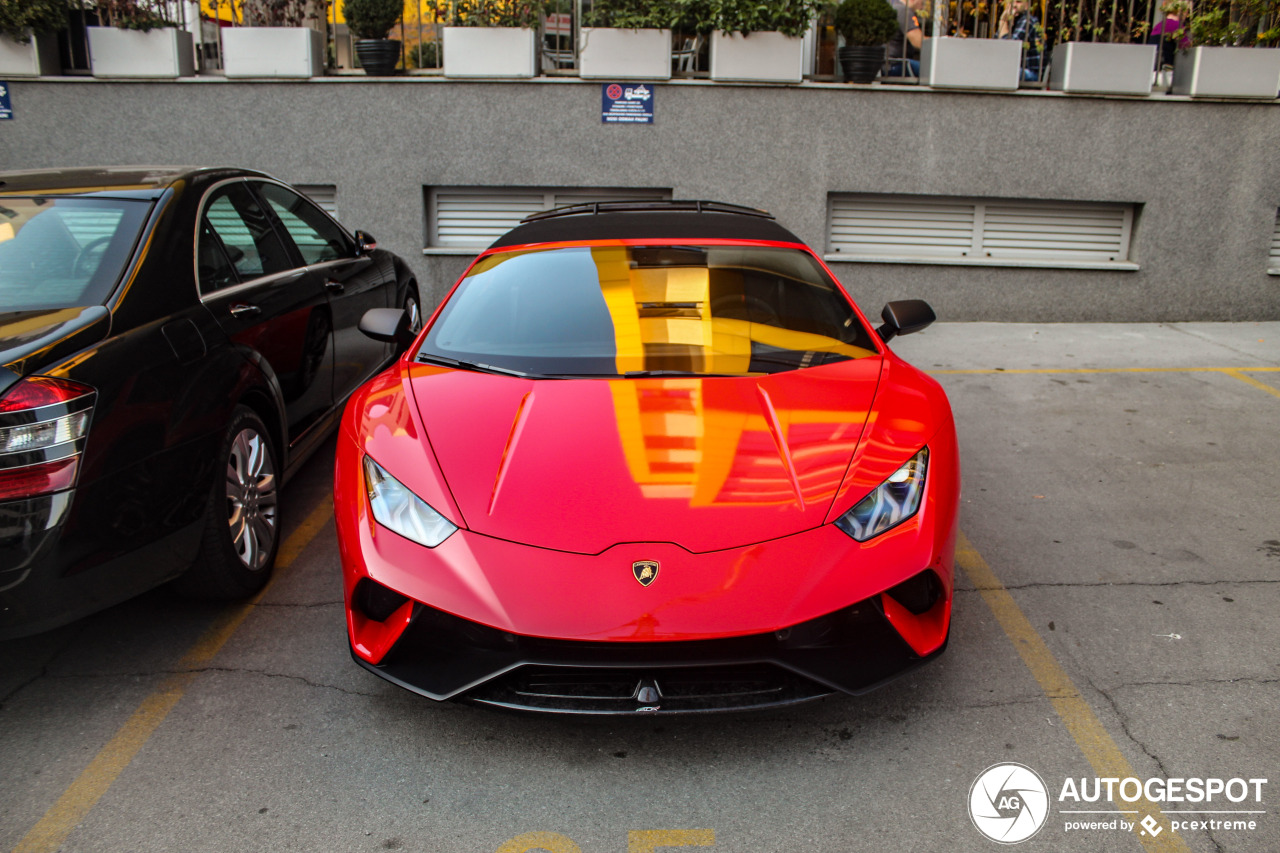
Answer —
(648, 310)
(64, 252)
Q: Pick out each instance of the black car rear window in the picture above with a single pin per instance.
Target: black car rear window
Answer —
(619, 310)
(64, 252)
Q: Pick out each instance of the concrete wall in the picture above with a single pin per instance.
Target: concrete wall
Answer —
(1206, 175)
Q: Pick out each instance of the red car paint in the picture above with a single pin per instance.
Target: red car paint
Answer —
(557, 488)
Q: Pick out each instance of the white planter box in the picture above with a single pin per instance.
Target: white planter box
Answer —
(758, 57)
(956, 63)
(163, 53)
(605, 53)
(36, 58)
(1227, 72)
(272, 52)
(490, 52)
(1108, 69)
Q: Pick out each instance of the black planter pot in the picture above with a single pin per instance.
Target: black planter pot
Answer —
(861, 63)
(378, 57)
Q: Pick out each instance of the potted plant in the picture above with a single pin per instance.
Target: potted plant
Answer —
(275, 41)
(139, 40)
(492, 38)
(1096, 55)
(754, 41)
(1234, 51)
(370, 21)
(627, 40)
(866, 27)
(28, 47)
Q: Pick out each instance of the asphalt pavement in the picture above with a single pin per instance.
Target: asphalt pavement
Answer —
(1117, 616)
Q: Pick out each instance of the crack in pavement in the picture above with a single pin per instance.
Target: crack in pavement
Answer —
(1206, 339)
(1251, 679)
(266, 674)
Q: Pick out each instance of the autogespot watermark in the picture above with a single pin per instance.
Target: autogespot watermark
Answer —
(1009, 803)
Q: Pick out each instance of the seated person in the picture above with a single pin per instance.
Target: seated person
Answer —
(1017, 22)
(904, 48)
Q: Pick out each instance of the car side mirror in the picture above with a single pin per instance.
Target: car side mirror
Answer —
(365, 243)
(389, 325)
(904, 317)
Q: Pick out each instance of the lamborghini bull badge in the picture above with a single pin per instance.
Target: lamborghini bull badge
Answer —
(646, 571)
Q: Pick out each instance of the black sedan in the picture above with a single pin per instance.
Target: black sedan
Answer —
(174, 342)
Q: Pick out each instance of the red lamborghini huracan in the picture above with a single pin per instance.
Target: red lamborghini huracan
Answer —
(647, 457)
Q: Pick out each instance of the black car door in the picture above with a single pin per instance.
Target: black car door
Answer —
(353, 282)
(267, 303)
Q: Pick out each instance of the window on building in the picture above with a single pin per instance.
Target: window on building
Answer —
(1273, 263)
(324, 195)
(468, 219)
(986, 232)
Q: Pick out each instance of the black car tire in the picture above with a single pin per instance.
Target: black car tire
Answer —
(413, 307)
(242, 520)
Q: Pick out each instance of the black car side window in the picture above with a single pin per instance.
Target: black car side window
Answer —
(252, 245)
(212, 261)
(317, 237)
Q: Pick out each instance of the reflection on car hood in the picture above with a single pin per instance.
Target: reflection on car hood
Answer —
(31, 339)
(705, 463)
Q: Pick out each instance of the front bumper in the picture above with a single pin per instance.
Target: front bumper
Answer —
(852, 650)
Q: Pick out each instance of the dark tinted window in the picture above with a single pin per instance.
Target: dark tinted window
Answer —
(614, 310)
(317, 236)
(251, 244)
(64, 252)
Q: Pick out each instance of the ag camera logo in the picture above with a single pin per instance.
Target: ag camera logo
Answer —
(1008, 803)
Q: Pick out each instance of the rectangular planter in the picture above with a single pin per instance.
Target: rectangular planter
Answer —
(163, 53)
(1227, 72)
(1100, 68)
(36, 58)
(605, 53)
(272, 52)
(971, 63)
(757, 58)
(490, 52)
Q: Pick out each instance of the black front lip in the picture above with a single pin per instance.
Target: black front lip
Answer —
(852, 650)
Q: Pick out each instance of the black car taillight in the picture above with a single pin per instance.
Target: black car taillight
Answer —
(43, 424)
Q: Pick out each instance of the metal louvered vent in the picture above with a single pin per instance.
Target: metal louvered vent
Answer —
(473, 217)
(324, 195)
(909, 229)
(1273, 264)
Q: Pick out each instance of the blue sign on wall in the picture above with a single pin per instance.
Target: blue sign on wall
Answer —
(6, 102)
(626, 103)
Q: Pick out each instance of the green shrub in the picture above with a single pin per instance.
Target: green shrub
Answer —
(425, 55)
(866, 22)
(634, 14)
(790, 17)
(496, 13)
(38, 16)
(372, 19)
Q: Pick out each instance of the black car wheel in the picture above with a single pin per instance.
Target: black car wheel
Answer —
(242, 526)
(413, 309)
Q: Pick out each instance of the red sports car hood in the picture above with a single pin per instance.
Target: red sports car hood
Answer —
(704, 463)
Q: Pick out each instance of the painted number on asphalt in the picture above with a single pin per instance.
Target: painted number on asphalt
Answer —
(638, 841)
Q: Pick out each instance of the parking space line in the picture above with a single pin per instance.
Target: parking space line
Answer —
(1238, 373)
(94, 781)
(1102, 753)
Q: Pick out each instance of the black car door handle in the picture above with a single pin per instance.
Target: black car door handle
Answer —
(240, 309)
(335, 286)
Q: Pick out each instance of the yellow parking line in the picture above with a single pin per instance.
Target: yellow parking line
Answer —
(1099, 749)
(1046, 370)
(1238, 373)
(94, 781)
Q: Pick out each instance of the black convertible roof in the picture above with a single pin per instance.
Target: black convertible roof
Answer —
(648, 219)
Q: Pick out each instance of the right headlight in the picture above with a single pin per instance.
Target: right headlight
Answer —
(891, 503)
(396, 508)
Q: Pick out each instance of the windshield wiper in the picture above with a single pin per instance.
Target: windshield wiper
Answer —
(431, 358)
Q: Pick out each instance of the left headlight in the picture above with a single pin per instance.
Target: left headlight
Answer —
(893, 501)
(396, 508)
